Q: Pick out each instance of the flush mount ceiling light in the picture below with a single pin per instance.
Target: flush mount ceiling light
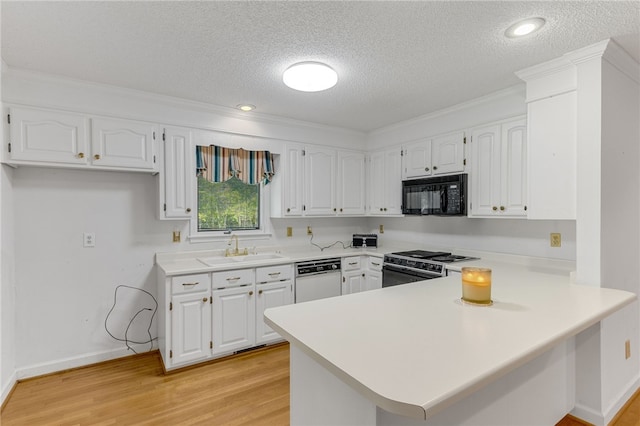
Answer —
(246, 107)
(310, 77)
(525, 27)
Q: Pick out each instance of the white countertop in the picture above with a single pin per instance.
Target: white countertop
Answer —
(415, 349)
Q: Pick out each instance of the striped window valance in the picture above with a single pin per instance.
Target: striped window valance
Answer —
(218, 164)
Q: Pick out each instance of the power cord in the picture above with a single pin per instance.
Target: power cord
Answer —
(126, 340)
(329, 246)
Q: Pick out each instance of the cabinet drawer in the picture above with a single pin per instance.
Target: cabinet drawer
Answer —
(231, 278)
(274, 273)
(351, 263)
(374, 263)
(190, 283)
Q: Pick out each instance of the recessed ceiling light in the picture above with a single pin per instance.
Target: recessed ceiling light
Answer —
(246, 107)
(310, 77)
(525, 27)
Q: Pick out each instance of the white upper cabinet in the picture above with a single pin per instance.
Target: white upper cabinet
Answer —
(351, 183)
(320, 178)
(447, 153)
(436, 156)
(318, 181)
(122, 143)
(385, 183)
(552, 157)
(417, 159)
(175, 190)
(499, 173)
(57, 138)
(47, 136)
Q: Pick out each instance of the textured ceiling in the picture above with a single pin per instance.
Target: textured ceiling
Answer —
(395, 60)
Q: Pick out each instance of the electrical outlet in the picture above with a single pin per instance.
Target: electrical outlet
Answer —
(89, 239)
(309, 231)
(555, 239)
(289, 231)
(381, 229)
(176, 236)
(627, 349)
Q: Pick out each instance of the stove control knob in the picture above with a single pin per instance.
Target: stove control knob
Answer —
(334, 266)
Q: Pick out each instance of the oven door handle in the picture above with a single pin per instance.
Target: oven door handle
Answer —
(409, 271)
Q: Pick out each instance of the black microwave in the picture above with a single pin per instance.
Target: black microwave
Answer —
(438, 196)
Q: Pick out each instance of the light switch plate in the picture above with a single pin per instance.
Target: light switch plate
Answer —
(555, 239)
(289, 231)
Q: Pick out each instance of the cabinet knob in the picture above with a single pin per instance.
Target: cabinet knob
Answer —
(259, 291)
(251, 293)
(334, 209)
(81, 155)
(341, 210)
(501, 208)
(385, 209)
(288, 210)
(435, 167)
(96, 157)
(426, 169)
(205, 299)
(494, 208)
(188, 209)
(380, 208)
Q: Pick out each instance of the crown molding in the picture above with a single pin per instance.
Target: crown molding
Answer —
(517, 89)
(622, 61)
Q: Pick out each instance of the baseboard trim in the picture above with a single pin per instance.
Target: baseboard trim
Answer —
(616, 409)
(8, 390)
(70, 363)
(594, 417)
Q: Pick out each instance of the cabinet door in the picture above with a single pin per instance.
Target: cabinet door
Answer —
(448, 153)
(485, 172)
(270, 296)
(234, 313)
(190, 327)
(320, 179)
(351, 183)
(417, 159)
(178, 153)
(377, 183)
(293, 178)
(393, 182)
(514, 168)
(373, 280)
(48, 136)
(551, 157)
(352, 282)
(123, 143)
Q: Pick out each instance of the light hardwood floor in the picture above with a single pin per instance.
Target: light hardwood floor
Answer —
(249, 389)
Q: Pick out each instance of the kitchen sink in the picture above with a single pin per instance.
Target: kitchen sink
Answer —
(220, 260)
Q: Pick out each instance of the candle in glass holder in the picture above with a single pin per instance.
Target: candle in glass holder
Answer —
(476, 285)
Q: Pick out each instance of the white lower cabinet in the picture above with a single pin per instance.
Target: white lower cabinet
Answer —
(373, 273)
(191, 327)
(361, 273)
(234, 310)
(274, 287)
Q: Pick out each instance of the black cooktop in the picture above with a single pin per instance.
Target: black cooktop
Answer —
(422, 254)
(436, 256)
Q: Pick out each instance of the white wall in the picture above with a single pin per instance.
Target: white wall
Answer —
(7, 284)
(511, 236)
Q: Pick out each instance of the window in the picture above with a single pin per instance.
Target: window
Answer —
(229, 205)
(232, 192)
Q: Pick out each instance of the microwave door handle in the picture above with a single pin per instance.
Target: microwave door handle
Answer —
(443, 200)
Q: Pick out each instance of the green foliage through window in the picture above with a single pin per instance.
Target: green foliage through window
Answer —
(232, 205)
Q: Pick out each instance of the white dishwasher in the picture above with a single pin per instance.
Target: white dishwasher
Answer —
(317, 279)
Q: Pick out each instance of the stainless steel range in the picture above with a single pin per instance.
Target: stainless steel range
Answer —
(416, 265)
